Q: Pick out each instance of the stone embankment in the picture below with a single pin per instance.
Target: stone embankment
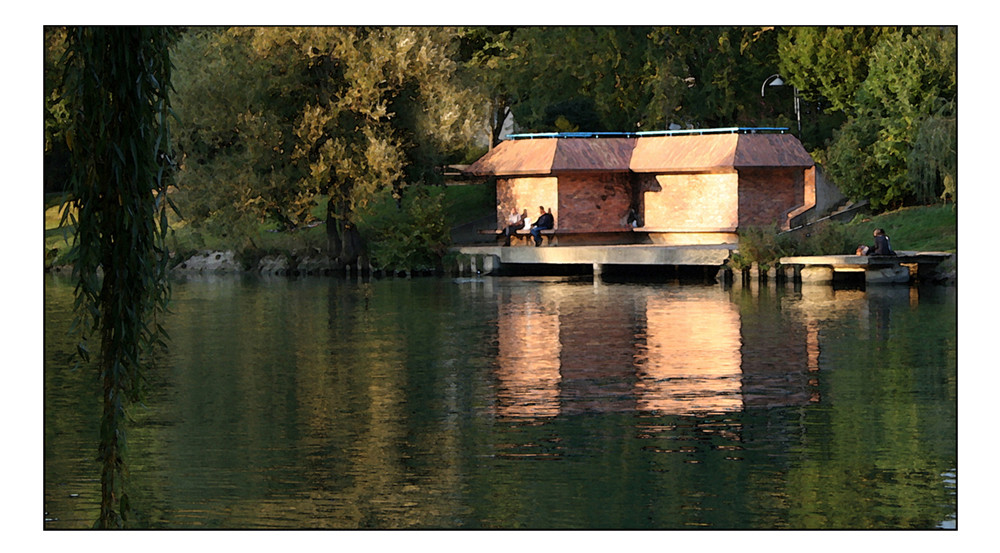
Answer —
(222, 262)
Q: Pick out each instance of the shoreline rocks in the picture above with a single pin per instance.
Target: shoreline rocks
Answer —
(222, 262)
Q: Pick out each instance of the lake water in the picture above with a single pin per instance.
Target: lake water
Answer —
(529, 402)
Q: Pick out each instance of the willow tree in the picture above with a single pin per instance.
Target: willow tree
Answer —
(116, 86)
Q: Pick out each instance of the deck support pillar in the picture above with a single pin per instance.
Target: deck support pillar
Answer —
(893, 274)
(816, 274)
(491, 264)
(598, 270)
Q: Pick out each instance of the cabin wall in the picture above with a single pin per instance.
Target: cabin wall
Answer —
(594, 201)
(529, 193)
(690, 201)
(767, 195)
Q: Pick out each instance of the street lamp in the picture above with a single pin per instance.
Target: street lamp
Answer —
(775, 80)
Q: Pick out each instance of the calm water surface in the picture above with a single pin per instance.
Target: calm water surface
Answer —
(524, 403)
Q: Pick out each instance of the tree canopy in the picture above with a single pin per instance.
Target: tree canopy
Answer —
(898, 145)
(287, 124)
(304, 113)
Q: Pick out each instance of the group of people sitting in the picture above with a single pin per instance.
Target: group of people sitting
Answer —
(545, 220)
(516, 222)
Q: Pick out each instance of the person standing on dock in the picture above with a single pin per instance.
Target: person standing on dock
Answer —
(545, 221)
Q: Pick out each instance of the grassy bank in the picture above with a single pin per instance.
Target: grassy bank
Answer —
(923, 228)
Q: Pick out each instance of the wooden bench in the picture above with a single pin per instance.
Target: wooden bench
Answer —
(524, 233)
(681, 230)
(550, 237)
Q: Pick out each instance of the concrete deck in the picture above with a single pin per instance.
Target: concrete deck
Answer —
(888, 269)
(597, 256)
(855, 261)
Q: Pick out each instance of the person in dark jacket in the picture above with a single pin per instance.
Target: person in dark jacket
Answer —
(881, 246)
(545, 221)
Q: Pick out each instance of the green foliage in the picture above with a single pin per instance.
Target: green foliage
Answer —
(563, 78)
(723, 68)
(828, 62)
(766, 246)
(288, 115)
(826, 238)
(932, 165)
(902, 114)
(468, 203)
(413, 237)
(116, 87)
(57, 116)
(233, 137)
(761, 245)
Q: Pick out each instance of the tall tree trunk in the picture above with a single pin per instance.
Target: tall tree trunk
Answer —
(342, 236)
(350, 239)
(500, 111)
(333, 243)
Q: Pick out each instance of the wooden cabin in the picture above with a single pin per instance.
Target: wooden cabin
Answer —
(679, 187)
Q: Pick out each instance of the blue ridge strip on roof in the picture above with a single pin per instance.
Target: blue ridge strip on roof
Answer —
(751, 130)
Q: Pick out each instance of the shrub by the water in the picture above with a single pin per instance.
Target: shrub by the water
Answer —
(413, 237)
(763, 246)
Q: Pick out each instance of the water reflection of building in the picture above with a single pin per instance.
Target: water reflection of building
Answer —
(690, 362)
(528, 361)
(686, 351)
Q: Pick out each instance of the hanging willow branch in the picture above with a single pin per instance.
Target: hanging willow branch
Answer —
(932, 164)
(116, 82)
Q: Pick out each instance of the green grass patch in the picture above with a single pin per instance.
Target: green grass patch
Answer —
(921, 228)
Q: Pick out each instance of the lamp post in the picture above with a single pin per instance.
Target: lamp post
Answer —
(775, 80)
